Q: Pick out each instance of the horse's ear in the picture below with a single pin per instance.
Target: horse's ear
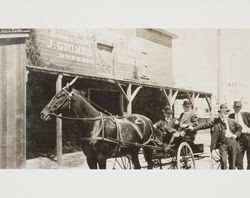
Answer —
(69, 84)
(73, 81)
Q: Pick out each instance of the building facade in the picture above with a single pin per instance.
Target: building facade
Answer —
(140, 55)
(122, 70)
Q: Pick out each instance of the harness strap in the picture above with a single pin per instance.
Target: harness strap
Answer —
(102, 125)
(99, 107)
(123, 143)
(151, 137)
(86, 119)
(119, 130)
(117, 138)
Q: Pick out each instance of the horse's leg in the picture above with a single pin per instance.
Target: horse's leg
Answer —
(148, 157)
(92, 162)
(135, 160)
(101, 161)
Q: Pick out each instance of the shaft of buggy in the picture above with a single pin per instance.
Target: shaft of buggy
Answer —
(122, 142)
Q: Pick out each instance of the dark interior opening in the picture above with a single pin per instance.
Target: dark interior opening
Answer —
(40, 135)
(149, 102)
(108, 100)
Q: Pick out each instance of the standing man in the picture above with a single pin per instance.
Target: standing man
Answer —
(225, 135)
(167, 125)
(242, 118)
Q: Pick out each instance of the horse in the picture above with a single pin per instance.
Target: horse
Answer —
(96, 127)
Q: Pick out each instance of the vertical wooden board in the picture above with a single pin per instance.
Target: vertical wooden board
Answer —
(20, 108)
(121, 104)
(25, 74)
(11, 105)
(59, 126)
(3, 108)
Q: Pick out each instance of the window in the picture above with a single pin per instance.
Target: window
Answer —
(104, 47)
(104, 59)
(144, 66)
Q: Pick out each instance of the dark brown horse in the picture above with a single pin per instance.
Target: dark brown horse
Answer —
(95, 128)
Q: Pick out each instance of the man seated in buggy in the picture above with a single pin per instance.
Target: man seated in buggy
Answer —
(187, 120)
(168, 125)
(174, 130)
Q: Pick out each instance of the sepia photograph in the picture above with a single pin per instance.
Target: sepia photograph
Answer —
(124, 99)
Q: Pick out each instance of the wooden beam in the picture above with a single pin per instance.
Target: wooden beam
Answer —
(107, 79)
(129, 90)
(129, 106)
(121, 103)
(26, 75)
(193, 98)
(174, 97)
(190, 99)
(171, 96)
(3, 110)
(135, 92)
(59, 125)
(131, 97)
(88, 91)
(197, 96)
(166, 95)
(209, 102)
(121, 89)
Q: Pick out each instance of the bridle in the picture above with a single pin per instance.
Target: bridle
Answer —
(67, 98)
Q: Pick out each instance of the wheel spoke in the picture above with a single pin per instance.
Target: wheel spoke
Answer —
(185, 159)
(215, 159)
(122, 163)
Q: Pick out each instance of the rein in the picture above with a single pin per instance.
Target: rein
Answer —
(119, 140)
(86, 119)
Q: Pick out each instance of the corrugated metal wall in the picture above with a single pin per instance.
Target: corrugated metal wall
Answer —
(12, 103)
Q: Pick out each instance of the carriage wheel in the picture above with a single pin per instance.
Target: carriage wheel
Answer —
(123, 162)
(215, 159)
(185, 157)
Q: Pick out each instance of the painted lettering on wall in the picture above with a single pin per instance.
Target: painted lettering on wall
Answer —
(70, 48)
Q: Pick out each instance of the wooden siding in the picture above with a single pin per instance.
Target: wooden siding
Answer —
(12, 103)
(76, 52)
(66, 52)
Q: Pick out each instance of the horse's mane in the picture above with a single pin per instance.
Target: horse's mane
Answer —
(82, 93)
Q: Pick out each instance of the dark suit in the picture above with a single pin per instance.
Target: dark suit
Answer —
(228, 147)
(167, 127)
(244, 141)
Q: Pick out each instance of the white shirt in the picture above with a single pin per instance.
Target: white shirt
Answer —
(168, 119)
(228, 134)
(240, 121)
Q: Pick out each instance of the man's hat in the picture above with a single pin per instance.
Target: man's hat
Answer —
(223, 107)
(237, 104)
(187, 103)
(167, 109)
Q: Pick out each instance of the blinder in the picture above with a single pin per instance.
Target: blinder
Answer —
(68, 98)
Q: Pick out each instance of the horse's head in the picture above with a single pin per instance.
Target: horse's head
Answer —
(60, 102)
